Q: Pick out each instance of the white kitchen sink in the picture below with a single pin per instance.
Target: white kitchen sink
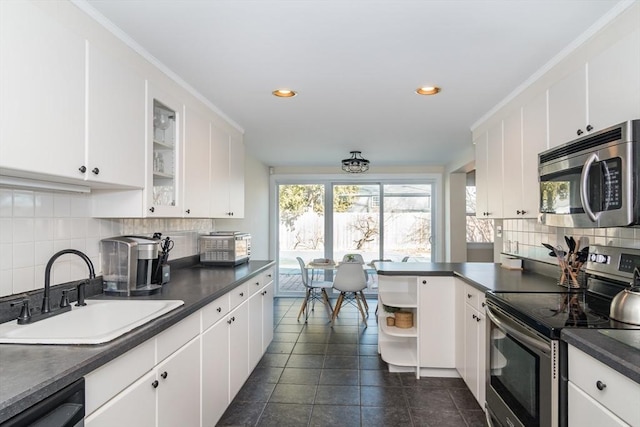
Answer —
(98, 322)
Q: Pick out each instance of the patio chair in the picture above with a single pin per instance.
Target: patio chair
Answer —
(316, 290)
(350, 281)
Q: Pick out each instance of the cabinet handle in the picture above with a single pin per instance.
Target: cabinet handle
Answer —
(600, 385)
(478, 318)
(155, 384)
(95, 171)
(579, 132)
(257, 283)
(589, 128)
(469, 295)
(219, 309)
(164, 375)
(152, 209)
(241, 294)
(188, 211)
(519, 212)
(82, 169)
(229, 321)
(473, 316)
(484, 304)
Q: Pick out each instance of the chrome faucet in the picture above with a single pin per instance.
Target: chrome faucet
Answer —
(46, 307)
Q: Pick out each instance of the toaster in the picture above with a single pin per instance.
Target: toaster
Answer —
(225, 248)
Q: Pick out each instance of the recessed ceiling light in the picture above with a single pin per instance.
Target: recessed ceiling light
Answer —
(284, 93)
(428, 90)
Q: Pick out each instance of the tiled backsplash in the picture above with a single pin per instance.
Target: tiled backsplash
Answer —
(36, 224)
(524, 237)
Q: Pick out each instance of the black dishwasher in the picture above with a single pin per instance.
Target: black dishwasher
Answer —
(64, 408)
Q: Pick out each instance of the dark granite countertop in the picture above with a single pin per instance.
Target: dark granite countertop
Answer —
(613, 347)
(29, 373)
(482, 275)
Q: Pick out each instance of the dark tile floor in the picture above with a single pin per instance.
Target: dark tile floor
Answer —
(315, 375)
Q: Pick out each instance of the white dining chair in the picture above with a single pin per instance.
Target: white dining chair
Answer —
(316, 290)
(350, 281)
(357, 258)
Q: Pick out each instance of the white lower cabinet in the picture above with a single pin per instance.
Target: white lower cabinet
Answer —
(428, 347)
(165, 396)
(188, 374)
(135, 406)
(215, 372)
(471, 339)
(238, 321)
(260, 318)
(436, 322)
(585, 411)
(179, 387)
(598, 395)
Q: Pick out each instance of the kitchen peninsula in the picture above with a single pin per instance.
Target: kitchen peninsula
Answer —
(450, 335)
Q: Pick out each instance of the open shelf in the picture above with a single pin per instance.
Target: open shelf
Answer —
(395, 331)
(399, 353)
(398, 299)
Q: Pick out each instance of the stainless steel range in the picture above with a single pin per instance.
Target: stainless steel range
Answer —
(524, 386)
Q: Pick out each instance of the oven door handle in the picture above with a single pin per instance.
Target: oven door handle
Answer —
(584, 194)
(541, 345)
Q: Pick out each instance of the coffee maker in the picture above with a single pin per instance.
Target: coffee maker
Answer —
(127, 265)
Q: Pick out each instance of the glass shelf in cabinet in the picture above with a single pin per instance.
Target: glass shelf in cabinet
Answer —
(162, 145)
(162, 175)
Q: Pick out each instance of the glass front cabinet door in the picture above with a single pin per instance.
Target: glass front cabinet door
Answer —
(163, 186)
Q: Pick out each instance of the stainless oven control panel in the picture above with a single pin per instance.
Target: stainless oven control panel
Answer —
(613, 261)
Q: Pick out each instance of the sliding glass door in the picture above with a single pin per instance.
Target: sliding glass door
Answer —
(377, 220)
(408, 217)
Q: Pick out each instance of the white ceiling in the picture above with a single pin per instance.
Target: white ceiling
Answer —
(355, 65)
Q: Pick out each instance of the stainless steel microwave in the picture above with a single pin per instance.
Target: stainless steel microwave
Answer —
(593, 181)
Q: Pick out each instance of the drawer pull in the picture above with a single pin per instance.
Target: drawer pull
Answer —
(164, 374)
(219, 309)
(155, 384)
(241, 294)
(600, 385)
(469, 295)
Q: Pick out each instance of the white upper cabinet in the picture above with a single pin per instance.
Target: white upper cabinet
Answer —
(534, 141)
(614, 83)
(495, 177)
(489, 173)
(116, 147)
(163, 178)
(525, 135)
(513, 162)
(197, 180)
(600, 93)
(236, 177)
(42, 82)
(568, 108)
(227, 174)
